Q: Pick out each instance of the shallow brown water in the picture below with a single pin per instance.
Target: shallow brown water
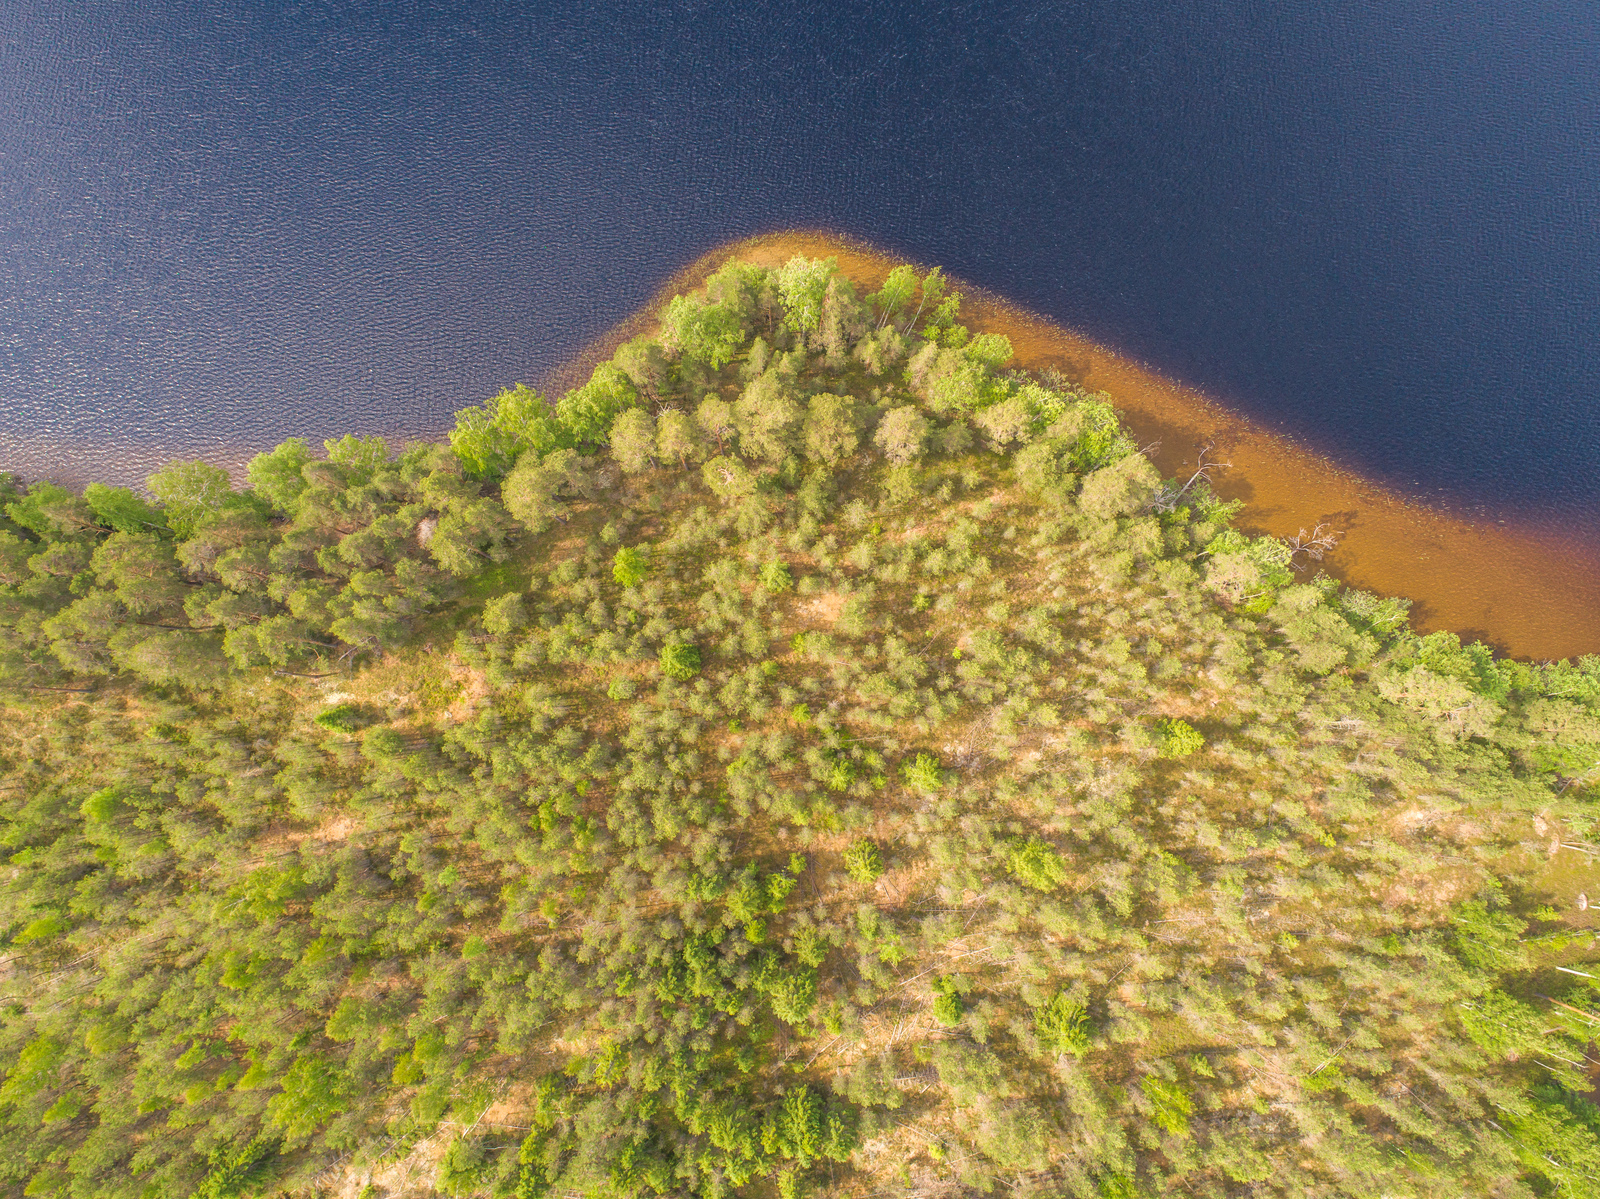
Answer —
(1527, 592)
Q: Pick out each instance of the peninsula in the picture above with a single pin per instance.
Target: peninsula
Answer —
(819, 753)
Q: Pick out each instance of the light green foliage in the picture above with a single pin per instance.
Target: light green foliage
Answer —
(922, 773)
(489, 439)
(633, 439)
(803, 282)
(1036, 864)
(238, 1170)
(1062, 1026)
(191, 493)
(120, 509)
(630, 566)
(587, 413)
(1503, 1026)
(862, 860)
(991, 349)
(1241, 569)
(768, 417)
(1177, 738)
(1170, 1104)
(536, 491)
(728, 478)
(314, 1091)
(1383, 616)
(708, 333)
(948, 1006)
(1125, 487)
(361, 457)
(363, 808)
(679, 660)
(895, 294)
(714, 417)
(677, 439)
(276, 475)
(831, 432)
(775, 577)
(505, 614)
(645, 365)
(902, 434)
(1010, 420)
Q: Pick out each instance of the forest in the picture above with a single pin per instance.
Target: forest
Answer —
(812, 757)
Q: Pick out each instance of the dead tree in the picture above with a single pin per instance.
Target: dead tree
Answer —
(1171, 493)
(1313, 545)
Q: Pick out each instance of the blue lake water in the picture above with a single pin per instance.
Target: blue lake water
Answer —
(1371, 224)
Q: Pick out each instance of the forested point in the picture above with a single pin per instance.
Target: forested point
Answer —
(809, 758)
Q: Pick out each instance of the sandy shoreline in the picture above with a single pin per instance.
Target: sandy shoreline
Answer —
(1521, 590)
(1527, 593)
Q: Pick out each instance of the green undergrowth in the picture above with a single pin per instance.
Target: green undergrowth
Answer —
(809, 758)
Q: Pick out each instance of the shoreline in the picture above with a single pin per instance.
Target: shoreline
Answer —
(1524, 590)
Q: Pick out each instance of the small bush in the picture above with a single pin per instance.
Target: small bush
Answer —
(922, 773)
(1062, 1026)
(679, 661)
(504, 615)
(948, 1008)
(1178, 738)
(775, 577)
(1172, 1105)
(342, 718)
(630, 567)
(863, 861)
(621, 688)
(1036, 864)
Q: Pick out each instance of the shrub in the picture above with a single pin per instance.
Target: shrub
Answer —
(863, 860)
(775, 577)
(630, 567)
(1171, 1105)
(948, 1007)
(504, 614)
(341, 718)
(922, 773)
(679, 660)
(621, 688)
(1178, 738)
(1062, 1025)
(1036, 864)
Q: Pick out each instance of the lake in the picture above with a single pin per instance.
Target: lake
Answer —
(1371, 226)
